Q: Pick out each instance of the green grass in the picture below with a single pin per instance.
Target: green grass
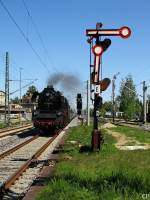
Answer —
(106, 175)
(2, 125)
(138, 134)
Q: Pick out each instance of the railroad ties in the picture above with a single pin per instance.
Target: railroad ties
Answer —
(20, 168)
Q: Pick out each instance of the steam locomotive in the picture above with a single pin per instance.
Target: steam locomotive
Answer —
(53, 110)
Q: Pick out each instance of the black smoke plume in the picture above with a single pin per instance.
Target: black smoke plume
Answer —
(67, 82)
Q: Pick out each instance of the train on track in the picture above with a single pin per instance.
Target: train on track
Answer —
(53, 110)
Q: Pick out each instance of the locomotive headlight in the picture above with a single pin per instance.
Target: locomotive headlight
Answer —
(59, 113)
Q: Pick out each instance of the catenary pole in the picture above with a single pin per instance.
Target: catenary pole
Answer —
(7, 107)
(20, 80)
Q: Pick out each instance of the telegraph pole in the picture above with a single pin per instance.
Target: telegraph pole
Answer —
(87, 112)
(7, 107)
(113, 95)
(144, 101)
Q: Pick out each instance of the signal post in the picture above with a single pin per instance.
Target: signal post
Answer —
(100, 85)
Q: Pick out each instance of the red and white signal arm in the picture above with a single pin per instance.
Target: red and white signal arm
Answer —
(123, 32)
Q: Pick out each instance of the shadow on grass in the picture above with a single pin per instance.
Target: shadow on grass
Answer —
(118, 181)
(61, 150)
(85, 149)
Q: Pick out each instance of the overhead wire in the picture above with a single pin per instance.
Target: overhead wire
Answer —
(39, 36)
(23, 87)
(142, 82)
(24, 36)
(141, 71)
(14, 76)
(37, 32)
(17, 68)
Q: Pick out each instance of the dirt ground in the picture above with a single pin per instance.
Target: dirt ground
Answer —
(124, 142)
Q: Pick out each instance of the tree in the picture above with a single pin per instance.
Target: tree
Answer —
(16, 100)
(30, 95)
(129, 102)
(31, 90)
(148, 104)
(106, 107)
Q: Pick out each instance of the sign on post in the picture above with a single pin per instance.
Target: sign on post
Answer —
(97, 89)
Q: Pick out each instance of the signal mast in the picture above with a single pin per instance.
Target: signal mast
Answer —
(98, 49)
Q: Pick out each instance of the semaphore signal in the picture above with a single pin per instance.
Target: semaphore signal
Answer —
(100, 85)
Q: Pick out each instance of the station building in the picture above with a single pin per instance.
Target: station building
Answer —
(25, 108)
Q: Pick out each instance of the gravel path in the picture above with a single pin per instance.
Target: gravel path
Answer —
(124, 142)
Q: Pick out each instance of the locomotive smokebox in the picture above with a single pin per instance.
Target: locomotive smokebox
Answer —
(52, 110)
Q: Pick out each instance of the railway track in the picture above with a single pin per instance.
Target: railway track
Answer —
(14, 131)
(12, 128)
(11, 150)
(19, 166)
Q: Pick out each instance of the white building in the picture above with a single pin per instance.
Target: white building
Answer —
(2, 98)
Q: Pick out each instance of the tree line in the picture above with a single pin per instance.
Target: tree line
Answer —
(127, 102)
(30, 91)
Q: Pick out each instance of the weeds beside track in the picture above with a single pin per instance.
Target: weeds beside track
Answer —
(105, 175)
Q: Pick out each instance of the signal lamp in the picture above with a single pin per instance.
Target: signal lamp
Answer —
(98, 102)
(97, 50)
(79, 102)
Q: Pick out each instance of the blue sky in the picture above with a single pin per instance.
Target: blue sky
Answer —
(62, 25)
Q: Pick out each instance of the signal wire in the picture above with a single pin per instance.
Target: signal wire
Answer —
(142, 82)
